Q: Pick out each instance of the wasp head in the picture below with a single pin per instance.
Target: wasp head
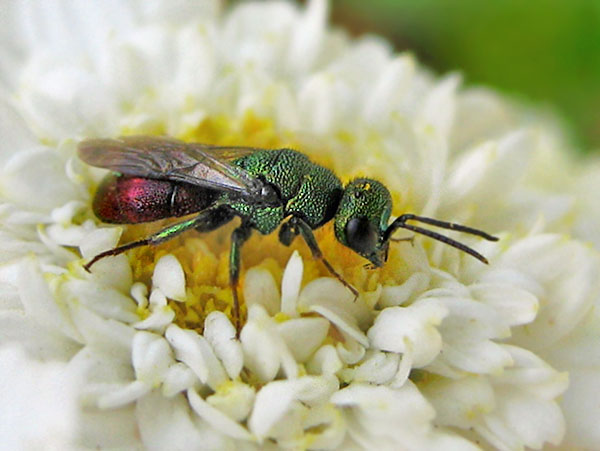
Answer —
(362, 217)
(361, 223)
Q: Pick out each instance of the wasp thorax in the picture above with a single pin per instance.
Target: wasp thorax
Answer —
(362, 217)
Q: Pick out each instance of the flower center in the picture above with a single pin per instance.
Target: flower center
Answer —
(205, 257)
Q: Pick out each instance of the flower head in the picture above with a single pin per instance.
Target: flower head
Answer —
(437, 350)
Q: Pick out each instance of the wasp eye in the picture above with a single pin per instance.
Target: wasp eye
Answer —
(361, 235)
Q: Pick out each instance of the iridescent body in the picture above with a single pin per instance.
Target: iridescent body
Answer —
(306, 190)
(156, 178)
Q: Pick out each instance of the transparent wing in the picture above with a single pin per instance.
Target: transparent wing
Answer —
(171, 159)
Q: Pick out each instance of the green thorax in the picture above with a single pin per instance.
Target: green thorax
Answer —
(307, 189)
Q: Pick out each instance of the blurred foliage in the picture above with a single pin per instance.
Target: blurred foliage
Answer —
(544, 51)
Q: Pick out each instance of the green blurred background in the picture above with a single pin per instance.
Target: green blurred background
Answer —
(542, 52)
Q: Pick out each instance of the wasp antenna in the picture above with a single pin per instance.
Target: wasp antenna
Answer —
(400, 223)
(446, 240)
(437, 223)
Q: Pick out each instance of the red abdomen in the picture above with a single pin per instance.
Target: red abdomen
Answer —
(131, 200)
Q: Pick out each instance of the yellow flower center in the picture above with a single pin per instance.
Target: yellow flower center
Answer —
(205, 257)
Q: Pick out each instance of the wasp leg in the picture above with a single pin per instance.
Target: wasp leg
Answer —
(287, 232)
(238, 238)
(309, 238)
(205, 221)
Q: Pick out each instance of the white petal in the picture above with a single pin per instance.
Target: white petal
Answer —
(113, 271)
(469, 319)
(65, 213)
(27, 170)
(303, 335)
(392, 84)
(533, 374)
(161, 315)
(151, 358)
(399, 294)
(235, 399)
(316, 104)
(178, 377)
(290, 284)
(193, 350)
(582, 429)
(350, 350)
(121, 422)
(121, 396)
(327, 427)
(397, 326)
(485, 357)
(567, 270)
(517, 306)
(39, 302)
(100, 240)
(460, 402)
(402, 413)
(534, 421)
(101, 332)
(265, 350)
(221, 335)
(158, 320)
(439, 106)
(261, 352)
(275, 398)
(260, 288)
(481, 114)
(334, 301)
(307, 37)
(166, 424)
(216, 418)
(51, 405)
(481, 173)
(139, 292)
(105, 301)
(168, 276)
(377, 368)
(324, 361)
(16, 135)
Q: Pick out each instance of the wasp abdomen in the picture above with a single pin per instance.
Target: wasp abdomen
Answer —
(131, 200)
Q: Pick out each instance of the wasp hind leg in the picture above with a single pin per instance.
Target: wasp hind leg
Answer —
(206, 221)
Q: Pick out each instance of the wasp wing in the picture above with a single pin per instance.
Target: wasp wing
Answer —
(171, 159)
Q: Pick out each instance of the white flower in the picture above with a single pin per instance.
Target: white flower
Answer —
(438, 351)
(32, 390)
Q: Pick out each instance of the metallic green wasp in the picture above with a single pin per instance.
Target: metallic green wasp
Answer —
(156, 177)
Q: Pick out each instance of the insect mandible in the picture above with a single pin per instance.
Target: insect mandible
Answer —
(157, 177)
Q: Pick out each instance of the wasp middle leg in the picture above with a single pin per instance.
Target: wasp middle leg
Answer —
(238, 237)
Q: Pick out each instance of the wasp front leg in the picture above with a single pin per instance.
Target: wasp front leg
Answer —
(304, 229)
(238, 238)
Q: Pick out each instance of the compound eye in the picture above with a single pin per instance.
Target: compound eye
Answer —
(361, 235)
